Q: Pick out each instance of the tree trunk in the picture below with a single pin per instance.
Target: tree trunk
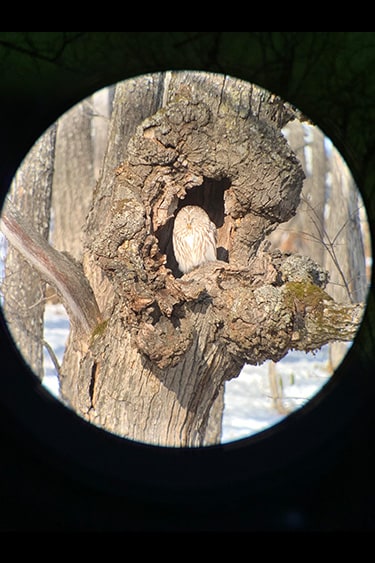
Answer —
(101, 107)
(73, 179)
(157, 365)
(23, 288)
(304, 233)
(149, 357)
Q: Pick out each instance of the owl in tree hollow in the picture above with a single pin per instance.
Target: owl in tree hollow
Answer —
(194, 238)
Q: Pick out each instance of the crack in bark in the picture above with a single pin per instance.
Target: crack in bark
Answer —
(92, 386)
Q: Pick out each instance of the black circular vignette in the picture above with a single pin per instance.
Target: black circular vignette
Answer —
(312, 470)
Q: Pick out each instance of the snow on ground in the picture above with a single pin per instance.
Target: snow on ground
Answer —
(248, 403)
(56, 330)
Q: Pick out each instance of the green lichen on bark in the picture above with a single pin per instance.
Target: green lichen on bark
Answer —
(317, 318)
(305, 294)
(98, 331)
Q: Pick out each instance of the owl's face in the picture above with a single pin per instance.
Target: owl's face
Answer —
(192, 216)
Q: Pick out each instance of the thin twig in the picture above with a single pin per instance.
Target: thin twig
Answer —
(53, 356)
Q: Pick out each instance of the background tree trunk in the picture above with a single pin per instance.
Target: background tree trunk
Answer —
(23, 288)
(303, 233)
(346, 256)
(80, 146)
(101, 103)
(328, 226)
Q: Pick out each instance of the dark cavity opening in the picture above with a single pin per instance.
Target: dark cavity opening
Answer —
(210, 196)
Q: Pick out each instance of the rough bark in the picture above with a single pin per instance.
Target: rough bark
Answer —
(73, 178)
(155, 365)
(81, 142)
(172, 342)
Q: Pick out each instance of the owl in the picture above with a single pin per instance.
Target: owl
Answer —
(194, 238)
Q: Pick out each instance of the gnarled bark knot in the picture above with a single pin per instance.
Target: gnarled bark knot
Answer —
(242, 172)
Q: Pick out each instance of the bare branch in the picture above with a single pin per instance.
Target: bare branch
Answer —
(329, 244)
(56, 268)
(52, 355)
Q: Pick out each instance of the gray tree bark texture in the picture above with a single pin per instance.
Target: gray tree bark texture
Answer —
(73, 178)
(159, 346)
(23, 288)
(81, 141)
